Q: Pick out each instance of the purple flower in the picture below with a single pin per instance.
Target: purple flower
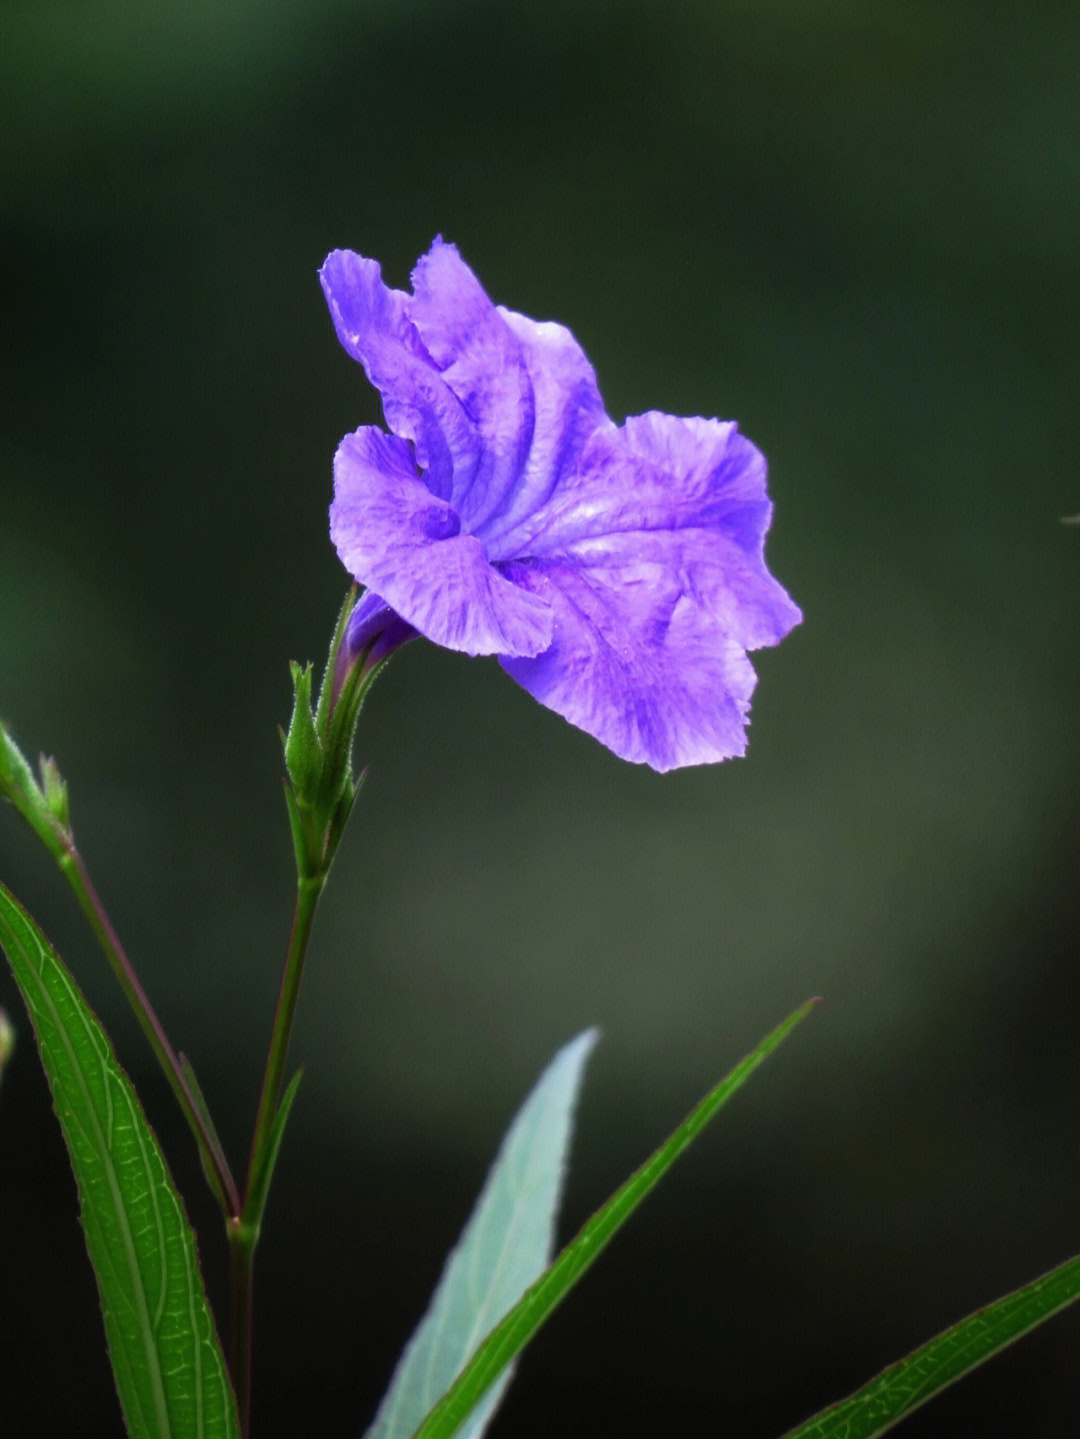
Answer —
(616, 570)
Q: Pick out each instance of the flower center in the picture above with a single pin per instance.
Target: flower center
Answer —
(437, 522)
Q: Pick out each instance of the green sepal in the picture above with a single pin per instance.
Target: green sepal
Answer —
(339, 788)
(321, 787)
(326, 689)
(45, 809)
(303, 752)
(16, 776)
(344, 809)
(55, 790)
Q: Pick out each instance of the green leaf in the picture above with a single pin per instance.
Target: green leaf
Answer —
(169, 1369)
(256, 1202)
(212, 1148)
(511, 1335)
(904, 1386)
(504, 1247)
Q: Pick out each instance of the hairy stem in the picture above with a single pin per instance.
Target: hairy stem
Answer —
(215, 1164)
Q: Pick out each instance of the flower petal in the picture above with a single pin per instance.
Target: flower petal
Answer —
(568, 409)
(686, 495)
(375, 627)
(636, 663)
(406, 544)
(372, 323)
(528, 387)
(373, 632)
(479, 360)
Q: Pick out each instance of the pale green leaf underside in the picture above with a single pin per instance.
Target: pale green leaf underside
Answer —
(504, 1247)
(510, 1336)
(169, 1369)
(904, 1386)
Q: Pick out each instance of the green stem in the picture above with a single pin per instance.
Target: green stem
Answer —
(244, 1233)
(308, 890)
(44, 807)
(241, 1260)
(215, 1164)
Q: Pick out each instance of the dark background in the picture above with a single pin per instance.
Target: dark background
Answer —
(857, 230)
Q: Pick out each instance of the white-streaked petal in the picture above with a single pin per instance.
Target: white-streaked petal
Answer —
(372, 322)
(407, 545)
(636, 663)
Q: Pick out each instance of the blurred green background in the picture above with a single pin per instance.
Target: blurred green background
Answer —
(857, 230)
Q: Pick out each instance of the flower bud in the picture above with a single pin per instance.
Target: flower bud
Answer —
(318, 745)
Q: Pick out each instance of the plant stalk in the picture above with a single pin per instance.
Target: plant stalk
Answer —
(241, 1260)
(244, 1232)
(44, 806)
(215, 1164)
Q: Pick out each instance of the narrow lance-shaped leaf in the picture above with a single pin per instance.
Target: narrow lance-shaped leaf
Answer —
(510, 1336)
(505, 1245)
(169, 1369)
(904, 1386)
